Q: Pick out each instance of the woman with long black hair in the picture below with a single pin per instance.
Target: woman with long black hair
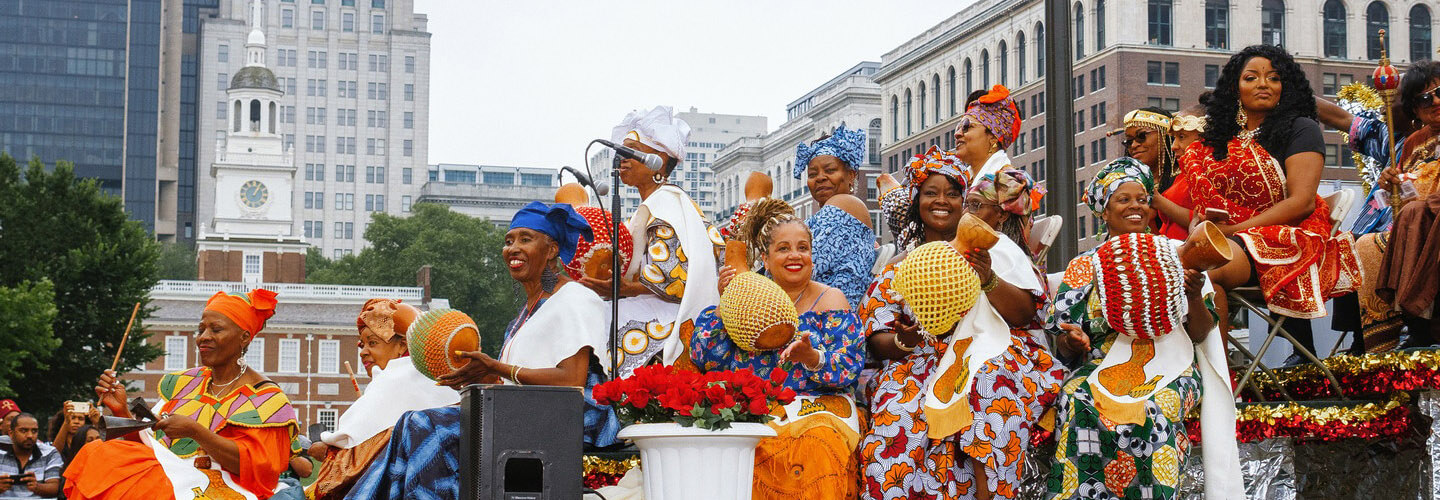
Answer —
(1260, 160)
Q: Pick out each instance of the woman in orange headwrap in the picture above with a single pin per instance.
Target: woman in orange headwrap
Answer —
(225, 430)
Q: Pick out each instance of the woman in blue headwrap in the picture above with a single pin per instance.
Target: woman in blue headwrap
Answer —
(557, 339)
(844, 242)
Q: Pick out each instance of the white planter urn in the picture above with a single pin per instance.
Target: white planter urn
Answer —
(689, 463)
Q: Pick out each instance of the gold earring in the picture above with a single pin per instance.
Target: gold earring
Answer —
(1240, 118)
(659, 178)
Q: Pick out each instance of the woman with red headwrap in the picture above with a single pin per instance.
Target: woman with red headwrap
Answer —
(225, 430)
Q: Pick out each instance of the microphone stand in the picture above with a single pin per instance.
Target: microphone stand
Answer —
(615, 272)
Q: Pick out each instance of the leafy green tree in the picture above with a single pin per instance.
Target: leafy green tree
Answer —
(57, 227)
(178, 261)
(26, 313)
(464, 255)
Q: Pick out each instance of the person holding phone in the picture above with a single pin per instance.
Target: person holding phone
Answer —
(28, 467)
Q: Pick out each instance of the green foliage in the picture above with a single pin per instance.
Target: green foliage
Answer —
(26, 312)
(464, 253)
(178, 262)
(57, 227)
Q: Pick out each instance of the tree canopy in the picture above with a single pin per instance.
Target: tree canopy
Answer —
(62, 232)
(464, 255)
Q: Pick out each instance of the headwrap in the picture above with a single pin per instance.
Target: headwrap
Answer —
(846, 144)
(1012, 189)
(934, 161)
(1188, 122)
(559, 221)
(8, 407)
(657, 128)
(1120, 171)
(379, 315)
(997, 112)
(248, 311)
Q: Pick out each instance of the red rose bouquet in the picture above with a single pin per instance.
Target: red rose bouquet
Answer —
(713, 400)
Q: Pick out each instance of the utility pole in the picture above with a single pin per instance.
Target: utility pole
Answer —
(1060, 131)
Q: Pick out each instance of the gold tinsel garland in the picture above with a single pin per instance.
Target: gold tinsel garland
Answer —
(1367, 98)
(1371, 373)
(597, 465)
(1324, 415)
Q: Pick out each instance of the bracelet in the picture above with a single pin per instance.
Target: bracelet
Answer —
(515, 375)
(901, 346)
(990, 284)
(818, 364)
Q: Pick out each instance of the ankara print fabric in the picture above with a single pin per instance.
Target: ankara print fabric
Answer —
(843, 249)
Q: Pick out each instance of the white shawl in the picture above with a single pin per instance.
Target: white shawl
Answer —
(393, 390)
(573, 318)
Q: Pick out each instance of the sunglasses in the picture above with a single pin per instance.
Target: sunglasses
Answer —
(1428, 97)
(1143, 136)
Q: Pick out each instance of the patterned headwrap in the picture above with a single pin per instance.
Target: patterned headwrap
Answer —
(934, 161)
(1012, 189)
(656, 127)
(1150, 119)
(846, 144)
(386, 317)
(1124, 169)
(249, 311)
(997, 112)
(560, 221)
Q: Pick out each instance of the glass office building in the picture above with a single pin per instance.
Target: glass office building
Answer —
(81, 80)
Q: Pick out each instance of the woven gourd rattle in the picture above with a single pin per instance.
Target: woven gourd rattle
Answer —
(757, 313)
(937, 282)
(436, 336)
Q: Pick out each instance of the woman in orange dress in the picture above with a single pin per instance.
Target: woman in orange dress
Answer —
(225, 430)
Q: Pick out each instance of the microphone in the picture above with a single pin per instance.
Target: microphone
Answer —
(601, 189)
(651, 161)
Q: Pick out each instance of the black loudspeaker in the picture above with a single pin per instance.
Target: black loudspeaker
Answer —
(521, 442)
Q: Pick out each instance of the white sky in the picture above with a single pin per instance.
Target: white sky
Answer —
(530, 83)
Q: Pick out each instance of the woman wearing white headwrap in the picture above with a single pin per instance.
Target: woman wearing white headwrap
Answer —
(667, 285)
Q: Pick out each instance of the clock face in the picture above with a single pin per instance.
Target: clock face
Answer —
(254, 194)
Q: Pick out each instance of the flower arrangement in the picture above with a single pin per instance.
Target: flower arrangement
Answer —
(712, 400)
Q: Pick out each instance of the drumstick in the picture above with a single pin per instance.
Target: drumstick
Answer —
(124, 338)
(351, 371)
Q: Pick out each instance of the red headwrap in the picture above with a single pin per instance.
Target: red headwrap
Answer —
(8, 406)
(997, 113)
(248, 311)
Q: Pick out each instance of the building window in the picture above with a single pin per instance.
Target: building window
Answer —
(1419, 33)
(1020, 58)
(1212, 75)
(408, 147)
(922, 105)
(326, 418)
(409, 92)
(221, 110)
(1079, 32)
(1004, 64)
(894, 118)
(1272, 22)
(405, 203)
(377, 24)
(908, 129)
(329, 356)
(255, 354)
(1099, 25)
(347, 22)
(1159, 14)
(406, 175)
(1162, 73)
(984, 69)
(289, 356)
(409, 64)
(253, 268)
(223, 53)
(176, 349)
(287, 18)
(1335, 29)
(1377, 18)
(1217, 24)
(317, 20)
(969, 78)
(222, 81)
(1039, 50)
(953, 106)
(935, 86)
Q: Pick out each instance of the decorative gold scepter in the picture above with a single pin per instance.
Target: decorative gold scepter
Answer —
(1386, 80)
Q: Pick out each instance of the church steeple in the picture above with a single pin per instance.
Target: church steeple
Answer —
(255, 43)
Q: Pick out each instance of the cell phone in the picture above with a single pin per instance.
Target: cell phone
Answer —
(80, 408)
(1217, 214)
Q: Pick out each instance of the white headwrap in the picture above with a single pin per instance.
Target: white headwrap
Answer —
(657, 128)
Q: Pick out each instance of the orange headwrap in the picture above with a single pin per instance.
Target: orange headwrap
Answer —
(248, 311)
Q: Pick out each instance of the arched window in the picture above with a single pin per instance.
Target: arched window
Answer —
(238, 117)
(984, 69)
(935, 89)
(894, 118)
(1419, 33)
(254, 115)
(873, 138)
(1335, 45)
(922, 105)
(1217, 24)
(1020, 58)
(952, 91)
(908, 129)
(1377, 18)
(1099, 25)
(969, 78)
(1272, 22)
(1039, 50)
(1160, 15)
(271, 116)
(1079, 32)
(1004, 64)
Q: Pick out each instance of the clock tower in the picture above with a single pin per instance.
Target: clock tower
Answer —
(250, 237)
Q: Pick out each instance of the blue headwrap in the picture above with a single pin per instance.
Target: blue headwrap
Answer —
(845, 144)
(559, 221)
